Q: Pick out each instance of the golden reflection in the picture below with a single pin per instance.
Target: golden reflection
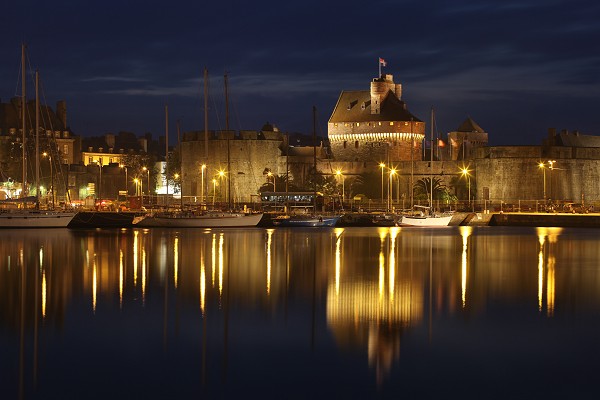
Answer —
(542, 240)
(338, 259)
(221, 241)
(136, 246)
(547, 237)
(202, 282)
(381, 265)
(121, 279)
(392, 266)
(550, 287)
(44, 293)
(94, 285)
(269, 243)
(144, 275)
(175, 260)
(214, 258)
(465, 232)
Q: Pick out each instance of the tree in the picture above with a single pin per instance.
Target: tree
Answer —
(440, 192)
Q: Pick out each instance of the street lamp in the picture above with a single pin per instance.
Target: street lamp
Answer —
(214, 181)
(100, 182)
(382, 166)
(222, 176)
(339, 173)
(136, 181)
(126, 183)
(202, 168)
(543, 167)
(465, 173)
(551, 167)
(271, 175)
(148, 174)
(51, 176)
(391, 186)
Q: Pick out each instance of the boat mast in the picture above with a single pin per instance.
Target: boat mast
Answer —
(314, 159)
(23, 107)
(431, 166)
(206, 123)
(180, 162)
(228, 155)
(166, 155)
(37, 142)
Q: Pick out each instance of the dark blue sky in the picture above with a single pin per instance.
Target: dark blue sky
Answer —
(516, 67)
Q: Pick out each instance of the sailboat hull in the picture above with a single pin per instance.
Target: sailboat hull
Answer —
(306, 222)
(426, 221)
(33, 219)
(211, 220)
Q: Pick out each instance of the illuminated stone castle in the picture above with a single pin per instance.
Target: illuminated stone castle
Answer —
(374, 125)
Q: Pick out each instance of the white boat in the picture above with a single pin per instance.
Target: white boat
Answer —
(35, 219)
(214, 219)
(17, 213)
(422, 217)
(425, 221)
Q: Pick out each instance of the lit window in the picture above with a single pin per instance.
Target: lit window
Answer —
(358, 124)
(391, 124)
(379, 123)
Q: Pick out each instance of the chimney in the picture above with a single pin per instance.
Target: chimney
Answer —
(61, 112)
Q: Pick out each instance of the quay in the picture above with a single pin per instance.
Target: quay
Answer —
(109, 219)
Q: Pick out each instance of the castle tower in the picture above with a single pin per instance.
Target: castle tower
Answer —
(374, 125)
(466, 139)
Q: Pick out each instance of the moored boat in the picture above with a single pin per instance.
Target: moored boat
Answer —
(306, 221)
(212, 219)
(35, 219)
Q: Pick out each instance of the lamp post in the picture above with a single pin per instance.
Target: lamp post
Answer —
(551, 167)
(214, 181)
(391, 187)
(126, 183)
(148, 175)
(339, 173)
(136, 181)
(222, 176)
(465, 173)
(51, 176)
(271, 175)
(100, 181)
(202, 168)
(382, 166)
(543, 167)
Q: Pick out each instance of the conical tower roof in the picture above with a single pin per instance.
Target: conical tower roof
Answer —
(470, 126)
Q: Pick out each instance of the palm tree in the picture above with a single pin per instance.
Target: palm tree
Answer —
(440, 191)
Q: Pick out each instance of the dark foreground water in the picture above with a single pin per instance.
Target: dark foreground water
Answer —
(353, 313)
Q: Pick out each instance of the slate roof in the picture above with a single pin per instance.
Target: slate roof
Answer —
(573, 140)
(470, 126)
(10, 117)
(355, 106)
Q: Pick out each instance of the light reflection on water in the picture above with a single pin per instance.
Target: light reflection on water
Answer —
(354, 312)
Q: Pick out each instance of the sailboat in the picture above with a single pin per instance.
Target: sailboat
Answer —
(19, 213)
(200, 218)
(314, 219)
(424, 215)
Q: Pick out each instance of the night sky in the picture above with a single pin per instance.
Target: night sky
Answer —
(516, 67)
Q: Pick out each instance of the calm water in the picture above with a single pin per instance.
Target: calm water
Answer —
(300, 314)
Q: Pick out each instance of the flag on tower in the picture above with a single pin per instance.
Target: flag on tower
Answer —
(382, 62)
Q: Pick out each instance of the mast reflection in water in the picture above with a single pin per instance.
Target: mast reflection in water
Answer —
(341, 312)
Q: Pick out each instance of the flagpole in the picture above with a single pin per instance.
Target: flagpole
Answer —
(379, 63)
